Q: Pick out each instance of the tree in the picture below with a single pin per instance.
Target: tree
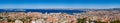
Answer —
(116, 21)
(81, 20)
(99, 22)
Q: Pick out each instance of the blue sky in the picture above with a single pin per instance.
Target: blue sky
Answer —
(70, 4)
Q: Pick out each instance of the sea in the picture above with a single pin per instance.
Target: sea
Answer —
(68, 11)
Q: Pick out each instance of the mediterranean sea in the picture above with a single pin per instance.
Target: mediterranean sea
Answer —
(43, 10)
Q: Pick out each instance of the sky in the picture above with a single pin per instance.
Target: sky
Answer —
(59, 4)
